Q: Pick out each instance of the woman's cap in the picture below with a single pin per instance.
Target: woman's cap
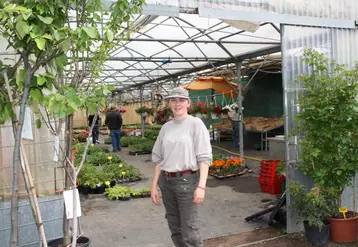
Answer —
(178, 92)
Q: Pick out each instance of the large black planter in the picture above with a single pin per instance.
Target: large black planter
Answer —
(81, 241)
(316, 237)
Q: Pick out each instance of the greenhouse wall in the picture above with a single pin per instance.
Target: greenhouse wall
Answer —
(336, 44)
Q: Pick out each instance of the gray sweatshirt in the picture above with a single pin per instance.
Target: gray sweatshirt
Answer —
(182, 145)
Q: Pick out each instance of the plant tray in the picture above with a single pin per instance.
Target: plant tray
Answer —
(229, 175)
(140, 152)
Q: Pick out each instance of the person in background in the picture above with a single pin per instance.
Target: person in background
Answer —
(234, 117)
(95, 131)
(182, 155)
(114, 123)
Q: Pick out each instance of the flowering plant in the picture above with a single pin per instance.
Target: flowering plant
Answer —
(162, 115)
(123, 110)
(199, 107)
(227, 166)
(144, 109)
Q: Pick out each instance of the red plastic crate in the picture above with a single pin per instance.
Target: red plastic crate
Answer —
(274, 188)
(268, 170)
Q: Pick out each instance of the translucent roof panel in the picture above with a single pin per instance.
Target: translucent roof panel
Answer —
(164, 48)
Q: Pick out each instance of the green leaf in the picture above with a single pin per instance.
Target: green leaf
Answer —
(46, 20)
(41, 80)
(10, 8)
(22, 28)
(26, 14)
(38, 123)
(61, 61)
(47, 36)
(65, 45)
(109, 35)
(36, 94)
(36, 31)
(339, 172)
(20, 78)
(57, 35)
(90, 31)
(41, 43)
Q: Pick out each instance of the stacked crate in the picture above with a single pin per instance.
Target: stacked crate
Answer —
(269, 180)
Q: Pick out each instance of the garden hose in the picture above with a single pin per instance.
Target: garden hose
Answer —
(247, 157)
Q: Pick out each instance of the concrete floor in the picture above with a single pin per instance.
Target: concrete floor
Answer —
(139, 223)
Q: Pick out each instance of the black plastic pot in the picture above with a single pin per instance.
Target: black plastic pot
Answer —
(315, 236)
(112, 184)
(146, 195)
(81, 241)
(100, 190)
(84, 189)
(124, 198)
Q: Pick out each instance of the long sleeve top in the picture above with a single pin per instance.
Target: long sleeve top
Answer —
(182, 145)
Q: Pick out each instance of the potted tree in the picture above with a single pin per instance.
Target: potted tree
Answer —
(328, 123)
(314, 209)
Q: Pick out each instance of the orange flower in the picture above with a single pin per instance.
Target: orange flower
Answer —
(218, 163)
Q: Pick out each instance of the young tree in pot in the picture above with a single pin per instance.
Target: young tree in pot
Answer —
(314, 208)
(44, 35)
(328, 123)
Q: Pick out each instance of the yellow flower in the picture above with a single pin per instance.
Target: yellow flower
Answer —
(92, 145)
(107, 183)
(120, 165)
(109, 157)
(123, 173)
(343, 211)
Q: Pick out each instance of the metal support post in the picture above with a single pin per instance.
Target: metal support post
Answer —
(241, 129)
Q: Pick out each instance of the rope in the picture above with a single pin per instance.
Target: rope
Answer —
(247, 157)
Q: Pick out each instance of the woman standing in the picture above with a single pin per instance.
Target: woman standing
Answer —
(182, 155)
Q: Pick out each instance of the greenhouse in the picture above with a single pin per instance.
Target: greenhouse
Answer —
(87, 86)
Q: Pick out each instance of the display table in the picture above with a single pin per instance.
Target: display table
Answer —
(255, 124)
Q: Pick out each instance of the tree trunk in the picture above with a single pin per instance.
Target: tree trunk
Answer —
(68, 181)
(15, 159)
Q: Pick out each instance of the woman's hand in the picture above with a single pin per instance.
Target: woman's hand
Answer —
(155, 195)
(199, 196)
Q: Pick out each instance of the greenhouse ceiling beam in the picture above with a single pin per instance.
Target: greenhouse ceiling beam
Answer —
(249, 55)
(181, 55)
(160, 59)
(196, 36)
(205, 41)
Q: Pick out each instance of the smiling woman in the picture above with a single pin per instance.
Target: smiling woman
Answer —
(182, 155)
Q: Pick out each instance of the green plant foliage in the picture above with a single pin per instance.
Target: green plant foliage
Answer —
(328, 122)
(314, 206)
(118, 192)
(151, 134)
(116, 171)
(129, 140)
(145, 145)
(91, 176)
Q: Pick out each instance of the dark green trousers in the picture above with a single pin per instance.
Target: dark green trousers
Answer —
(181, 212)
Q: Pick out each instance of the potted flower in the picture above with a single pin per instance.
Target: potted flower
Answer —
(328, 123)
(199, 109)
(136, 193)
(122, 193)
(224, 112)
(142, 111)
(314, 209)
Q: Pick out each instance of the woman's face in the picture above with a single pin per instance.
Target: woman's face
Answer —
(179, 106)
